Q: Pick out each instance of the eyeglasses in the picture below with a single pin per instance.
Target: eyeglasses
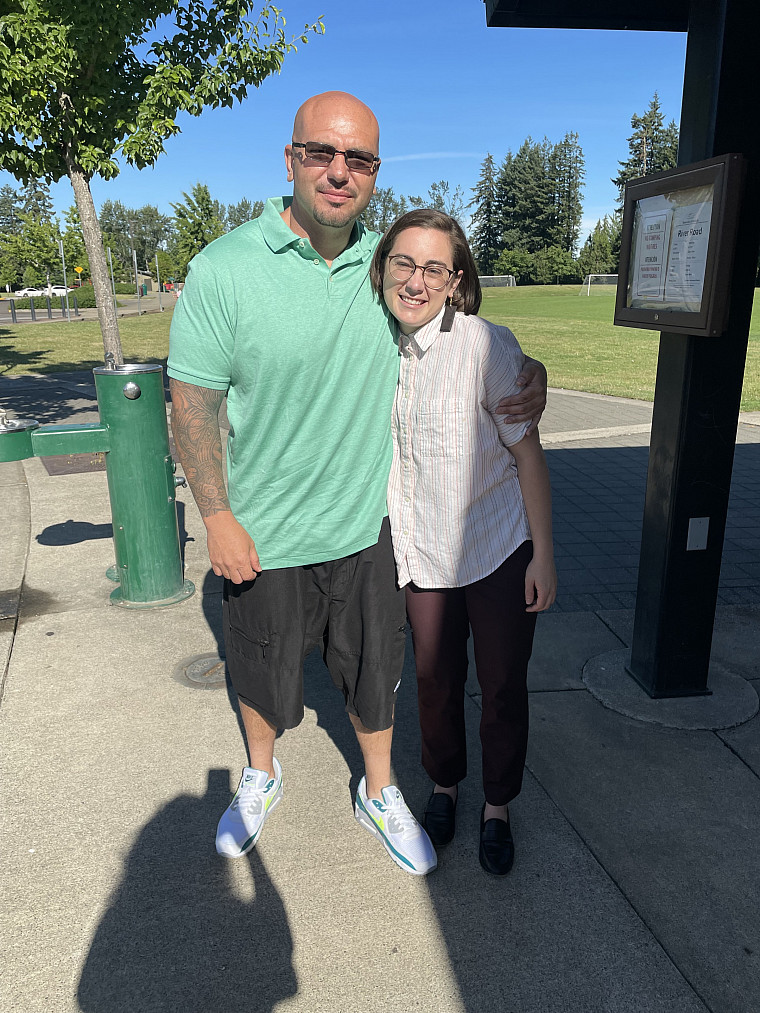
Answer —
(323, 154)
(434, 276)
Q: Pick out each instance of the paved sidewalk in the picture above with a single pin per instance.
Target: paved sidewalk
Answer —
(636, 883)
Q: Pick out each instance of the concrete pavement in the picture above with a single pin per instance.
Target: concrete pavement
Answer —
(636, 883)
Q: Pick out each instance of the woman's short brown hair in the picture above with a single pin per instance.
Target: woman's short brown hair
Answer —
(466, 296)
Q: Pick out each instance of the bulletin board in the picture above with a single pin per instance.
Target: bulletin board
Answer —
(677, 247)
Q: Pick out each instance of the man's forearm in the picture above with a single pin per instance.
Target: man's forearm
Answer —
(195, 426)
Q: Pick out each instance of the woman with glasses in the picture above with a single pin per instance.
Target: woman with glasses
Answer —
(470, 509)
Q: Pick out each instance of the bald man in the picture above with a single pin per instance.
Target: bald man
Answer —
(280, 316)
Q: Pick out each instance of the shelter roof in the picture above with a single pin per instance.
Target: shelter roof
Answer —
(638, 15)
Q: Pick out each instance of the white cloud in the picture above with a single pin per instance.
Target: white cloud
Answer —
(423, 156)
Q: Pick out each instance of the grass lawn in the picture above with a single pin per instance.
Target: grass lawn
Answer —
(59, 346)
(573, 334)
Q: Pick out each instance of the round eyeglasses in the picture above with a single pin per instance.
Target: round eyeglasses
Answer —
(435, 276)
(323, 154)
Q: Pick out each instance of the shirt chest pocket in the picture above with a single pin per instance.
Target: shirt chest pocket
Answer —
(440, 428)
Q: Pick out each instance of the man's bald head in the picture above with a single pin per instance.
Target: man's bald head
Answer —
(332, 195)
(337, 111)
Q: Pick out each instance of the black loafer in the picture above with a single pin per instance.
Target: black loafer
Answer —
(439, 818)
(497, 849)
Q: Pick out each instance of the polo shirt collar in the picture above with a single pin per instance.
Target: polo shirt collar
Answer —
(279, 237)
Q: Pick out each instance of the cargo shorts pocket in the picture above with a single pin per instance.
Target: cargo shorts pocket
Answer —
(252, 659)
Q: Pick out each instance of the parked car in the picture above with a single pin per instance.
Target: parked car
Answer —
(27, 293)
(59, 290)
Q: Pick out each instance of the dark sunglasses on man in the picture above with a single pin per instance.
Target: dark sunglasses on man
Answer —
(322, 154)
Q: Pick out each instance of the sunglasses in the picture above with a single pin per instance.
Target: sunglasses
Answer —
(323, 154)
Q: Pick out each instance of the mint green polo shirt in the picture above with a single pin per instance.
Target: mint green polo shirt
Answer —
(309, 358)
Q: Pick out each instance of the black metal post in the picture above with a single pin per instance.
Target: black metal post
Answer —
(699, 380)
(13, 311)
(31, 307)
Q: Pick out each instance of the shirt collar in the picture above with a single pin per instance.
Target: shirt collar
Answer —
(424, 336)
(279, 237)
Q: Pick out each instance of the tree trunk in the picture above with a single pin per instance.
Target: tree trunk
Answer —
(93, 241)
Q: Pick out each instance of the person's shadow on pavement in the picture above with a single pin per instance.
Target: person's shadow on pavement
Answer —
(175, 937)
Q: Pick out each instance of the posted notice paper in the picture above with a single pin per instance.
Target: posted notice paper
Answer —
(685, 277)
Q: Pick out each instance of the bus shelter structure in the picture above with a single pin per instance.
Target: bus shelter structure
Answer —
(699, 379)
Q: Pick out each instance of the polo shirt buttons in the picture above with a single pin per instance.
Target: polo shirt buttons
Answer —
(301, 244)
(316, 261)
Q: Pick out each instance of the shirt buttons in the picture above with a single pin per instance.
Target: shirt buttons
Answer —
(301, 244)
(316, 261)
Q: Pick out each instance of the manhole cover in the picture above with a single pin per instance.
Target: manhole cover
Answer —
(202, 671)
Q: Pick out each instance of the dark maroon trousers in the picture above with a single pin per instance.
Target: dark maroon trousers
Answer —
(441, 620)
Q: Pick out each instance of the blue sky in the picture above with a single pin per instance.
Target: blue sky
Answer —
(446, 90)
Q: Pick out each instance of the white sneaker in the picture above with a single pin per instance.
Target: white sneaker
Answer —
(395, 827)
(257, 795)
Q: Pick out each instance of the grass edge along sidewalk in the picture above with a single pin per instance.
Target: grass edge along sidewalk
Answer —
(571, 333)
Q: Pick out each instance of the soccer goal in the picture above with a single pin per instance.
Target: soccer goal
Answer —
(493, 280)
(596, 280)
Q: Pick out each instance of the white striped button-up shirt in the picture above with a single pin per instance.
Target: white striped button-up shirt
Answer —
(454, 499)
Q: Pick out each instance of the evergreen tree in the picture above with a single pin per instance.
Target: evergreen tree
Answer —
(114, 224)
(35, 200)
(652, 147)
(485, 228)
(143, 230)
(566, 171)
(383, 209)
(527, 208)
(10, 208)
(243, 211)
(199, 219)
(32, 253)
(601, 251)
(441, 198)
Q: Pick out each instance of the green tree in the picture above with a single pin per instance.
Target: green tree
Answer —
(150, 231)
(485, 227)
(566, 172)
(35, 199)
(441, 197)
(73, 246)
(10, 208)
(383, 209)
(516, 262)
(601, 251)
(32, 251)
(526, 199)
(242, 212)
(198, 220)
(166, 266)
(84, 83)
(652, 147)
(114, 223)
(554, 266)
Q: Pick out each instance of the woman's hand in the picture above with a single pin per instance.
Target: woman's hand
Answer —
(540, 584)
(528, 403)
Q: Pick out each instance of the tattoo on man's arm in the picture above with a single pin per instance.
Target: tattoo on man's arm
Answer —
(195, 425)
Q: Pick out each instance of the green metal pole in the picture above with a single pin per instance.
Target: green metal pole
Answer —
(141, 486)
